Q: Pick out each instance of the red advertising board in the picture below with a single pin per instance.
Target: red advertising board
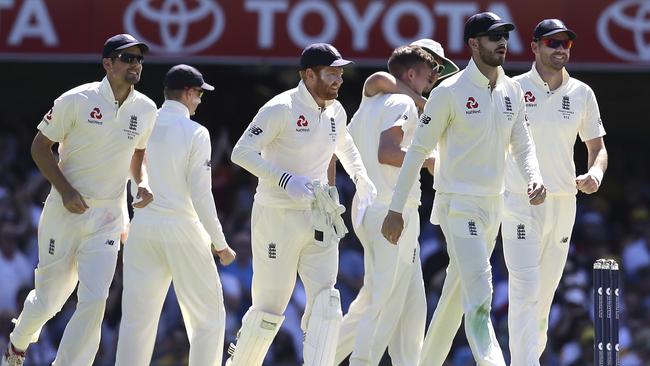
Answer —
(613, 34)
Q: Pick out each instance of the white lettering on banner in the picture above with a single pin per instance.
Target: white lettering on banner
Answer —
(457, 14)
(297, 15)
(266, 23)
(622, 14)
(390, 25)
(174, 20)
(33, 21)
(360, 24)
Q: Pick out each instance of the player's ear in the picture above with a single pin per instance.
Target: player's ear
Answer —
(473, 43)
(107, 63)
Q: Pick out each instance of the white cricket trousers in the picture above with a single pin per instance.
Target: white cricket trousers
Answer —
(390, 309)
(470, 225)
(535, 245)
(72, 248)
(161, 250)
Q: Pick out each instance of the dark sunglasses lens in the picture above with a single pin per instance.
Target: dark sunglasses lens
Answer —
(496, 37)
(130, 58)
(556, 43)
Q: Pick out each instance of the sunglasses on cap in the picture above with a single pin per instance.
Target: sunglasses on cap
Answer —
(556, 43)
(130, 58)
(495, 36)
(438, 68)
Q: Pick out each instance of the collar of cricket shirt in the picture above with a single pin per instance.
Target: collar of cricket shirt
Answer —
(106, 91)
(476, 76)
(537, 79)
(305, 96)
(175, 107)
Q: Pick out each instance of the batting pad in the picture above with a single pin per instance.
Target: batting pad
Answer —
(323, 329)
(255, 337)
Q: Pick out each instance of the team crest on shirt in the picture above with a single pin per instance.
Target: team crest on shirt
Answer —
(565, 109)
(95, 117)
(508, 105)
(333, 129)
(132, 131)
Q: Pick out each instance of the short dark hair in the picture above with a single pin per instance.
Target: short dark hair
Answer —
(407, 57)
(173, 94)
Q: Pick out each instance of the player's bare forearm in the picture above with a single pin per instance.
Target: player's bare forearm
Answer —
(139, 167)
(41, 151)
(382, 82)
(596, 165)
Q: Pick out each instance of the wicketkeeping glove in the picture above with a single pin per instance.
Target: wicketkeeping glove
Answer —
(326, 215)
(298, 187)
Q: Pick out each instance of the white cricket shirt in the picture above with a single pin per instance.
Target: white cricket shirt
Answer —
(556, 117)
(375, 115)
(473, 125)
(97, 137)
(292, 134)
(179, 168)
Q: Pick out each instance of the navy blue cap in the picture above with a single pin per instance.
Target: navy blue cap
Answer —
(548, 27)
(482, 23)
(185, 76)
(120, 42)
(321, 54)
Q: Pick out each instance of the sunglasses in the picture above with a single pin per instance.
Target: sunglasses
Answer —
(130, 58)
(438, 68)
(495, 36)
(556, 43)
(199, 91)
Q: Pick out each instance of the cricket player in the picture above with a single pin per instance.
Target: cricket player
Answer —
(102, 129)
(390, 309)
(288, 146)
(536, 238)
(473, 118)
(170, 239)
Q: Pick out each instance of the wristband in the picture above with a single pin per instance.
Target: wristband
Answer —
(597, 173)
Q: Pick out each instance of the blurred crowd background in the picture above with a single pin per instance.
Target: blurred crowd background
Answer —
(614, 223)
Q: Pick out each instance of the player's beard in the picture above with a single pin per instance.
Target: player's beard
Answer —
(324, 91)
(491, 57)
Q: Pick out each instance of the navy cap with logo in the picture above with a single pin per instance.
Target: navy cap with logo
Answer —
(185, 76)
(321, 54)
(120, 42)
(549, 27)
(482, 23)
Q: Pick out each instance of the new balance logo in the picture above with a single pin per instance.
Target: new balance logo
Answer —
(272, 251)
(566, 103)
(254, 130)
(564, 240)
(471, 226)
(109, 242)
(521, 232)
(51, 248)
(425, 119)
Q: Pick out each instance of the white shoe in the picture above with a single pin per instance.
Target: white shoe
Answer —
(12, 357)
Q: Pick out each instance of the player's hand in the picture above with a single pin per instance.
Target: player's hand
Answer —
(73, 201)
(587, 183)
(392, 227)
(144, 195)
(536, 193)
(299, 187)
(430, 163)
(226, 255)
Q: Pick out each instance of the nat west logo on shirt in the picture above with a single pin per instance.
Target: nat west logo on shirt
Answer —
(254, 130)
(530, 99)
(302, 124)
(48, 117)
(472, 106)
(95, 116)
(333, 127)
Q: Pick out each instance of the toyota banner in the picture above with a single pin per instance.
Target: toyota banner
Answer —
(611, 34)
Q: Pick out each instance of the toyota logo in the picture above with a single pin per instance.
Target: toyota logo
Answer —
(632, 17)
(174, 19)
